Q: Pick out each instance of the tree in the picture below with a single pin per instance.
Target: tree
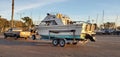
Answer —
(118, 27)
(4, 23)
(18, 23)
(108, 25)
(28, 22)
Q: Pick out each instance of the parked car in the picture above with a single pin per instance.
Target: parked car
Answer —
(17, 33)
(116, 32)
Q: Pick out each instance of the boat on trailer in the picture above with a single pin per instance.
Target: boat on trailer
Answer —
(61, 30)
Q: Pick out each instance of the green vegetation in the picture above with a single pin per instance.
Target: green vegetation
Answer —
(4, 23)
(25, 24)
(108, 25)
(118, 27)
(28, 22)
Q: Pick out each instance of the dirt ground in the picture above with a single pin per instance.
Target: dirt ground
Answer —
(105, 46)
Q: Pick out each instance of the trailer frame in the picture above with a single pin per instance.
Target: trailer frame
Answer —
(62, 41)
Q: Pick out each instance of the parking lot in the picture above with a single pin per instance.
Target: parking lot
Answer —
(105, 46)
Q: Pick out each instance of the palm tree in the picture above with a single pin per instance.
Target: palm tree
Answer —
(28, 22)
(18, 23)
(4, 23)
(109, 25)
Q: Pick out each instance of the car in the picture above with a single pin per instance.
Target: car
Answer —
(17, 33)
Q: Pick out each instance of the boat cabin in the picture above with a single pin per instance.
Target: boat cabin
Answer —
(57, 19)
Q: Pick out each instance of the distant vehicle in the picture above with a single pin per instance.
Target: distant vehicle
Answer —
(116, 32)
(17, 33)
(106, 31)
(99, 32)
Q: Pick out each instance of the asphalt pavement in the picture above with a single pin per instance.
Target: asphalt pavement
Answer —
(105, 46)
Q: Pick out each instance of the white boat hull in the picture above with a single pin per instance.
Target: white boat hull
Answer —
(43, 31)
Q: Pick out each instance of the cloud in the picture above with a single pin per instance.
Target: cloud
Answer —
(35, 4)
(21, 5)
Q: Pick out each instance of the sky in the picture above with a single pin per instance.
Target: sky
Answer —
(78, 10)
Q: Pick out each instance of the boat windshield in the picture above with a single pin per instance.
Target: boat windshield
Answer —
(78, 22)
(42, 23)
(47, 23)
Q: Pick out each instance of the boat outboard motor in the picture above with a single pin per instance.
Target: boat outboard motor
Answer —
(90, 37)
(90, 28)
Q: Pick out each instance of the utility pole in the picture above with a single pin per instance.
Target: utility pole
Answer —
(12, 16)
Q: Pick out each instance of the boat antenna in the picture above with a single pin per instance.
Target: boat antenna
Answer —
(103, 17)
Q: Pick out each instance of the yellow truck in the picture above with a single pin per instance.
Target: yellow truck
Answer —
(17, 33)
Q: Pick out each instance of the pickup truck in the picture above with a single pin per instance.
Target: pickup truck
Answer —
(17, 33)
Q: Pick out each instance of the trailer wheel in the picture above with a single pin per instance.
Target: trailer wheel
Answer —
(62, 42)
(55, 42)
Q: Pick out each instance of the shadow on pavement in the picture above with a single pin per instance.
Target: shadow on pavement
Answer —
(23, 42)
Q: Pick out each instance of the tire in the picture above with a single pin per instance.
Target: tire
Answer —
(33, 37)
(55, 42)
(62, 42)
(5, 37)
(16, 37)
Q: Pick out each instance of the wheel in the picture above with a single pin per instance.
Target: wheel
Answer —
(62, 43)
(33, 37)
(16, 37)
(55, 42)
(5, 37)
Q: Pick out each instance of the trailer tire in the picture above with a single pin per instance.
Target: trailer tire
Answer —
(62, 42)
(55, 42)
